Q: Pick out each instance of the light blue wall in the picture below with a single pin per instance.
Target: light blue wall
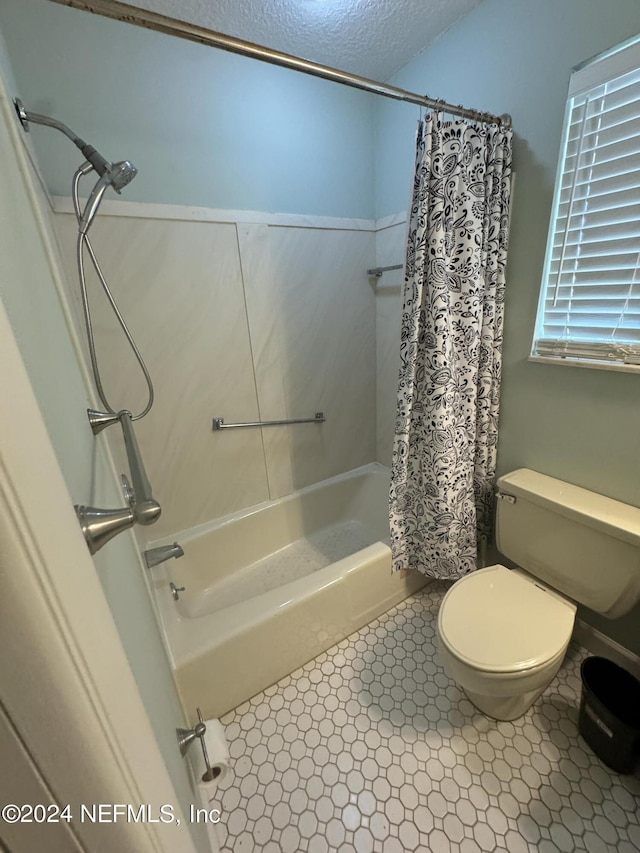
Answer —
(205, 128)
(515, 56)
(506, 56)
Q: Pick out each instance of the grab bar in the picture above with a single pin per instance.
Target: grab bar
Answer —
(101, 525)
(318, 418)
(377, 271)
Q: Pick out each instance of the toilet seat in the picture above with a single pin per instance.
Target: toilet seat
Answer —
(497, 621)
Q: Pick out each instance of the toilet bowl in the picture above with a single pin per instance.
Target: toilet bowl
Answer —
(502, 633)
(502, 638)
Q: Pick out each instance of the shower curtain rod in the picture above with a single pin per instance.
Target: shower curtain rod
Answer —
(193, 32)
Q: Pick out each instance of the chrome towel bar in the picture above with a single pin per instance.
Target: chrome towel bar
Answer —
(318, 418)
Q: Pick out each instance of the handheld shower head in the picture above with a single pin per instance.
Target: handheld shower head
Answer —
(121, 174)
(116, 175)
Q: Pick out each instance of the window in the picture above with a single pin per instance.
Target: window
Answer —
(589, 311)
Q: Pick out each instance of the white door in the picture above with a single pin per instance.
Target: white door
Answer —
(66, 689)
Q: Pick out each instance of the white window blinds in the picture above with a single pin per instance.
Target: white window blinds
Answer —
(590, 296)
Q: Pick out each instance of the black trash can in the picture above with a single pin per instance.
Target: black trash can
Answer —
(609, 718)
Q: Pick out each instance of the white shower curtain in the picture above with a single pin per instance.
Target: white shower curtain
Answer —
(444, 456)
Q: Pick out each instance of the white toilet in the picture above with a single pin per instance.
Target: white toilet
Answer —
(503, 633)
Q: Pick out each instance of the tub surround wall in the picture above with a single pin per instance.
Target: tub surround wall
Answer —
(241, 320)
(311, 314)
(179, 287)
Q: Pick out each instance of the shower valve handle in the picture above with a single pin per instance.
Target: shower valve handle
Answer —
(99, 526)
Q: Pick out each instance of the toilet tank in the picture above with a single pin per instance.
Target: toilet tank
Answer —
(582, 544)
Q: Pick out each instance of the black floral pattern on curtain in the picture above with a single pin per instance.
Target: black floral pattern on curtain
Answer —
(444, 456)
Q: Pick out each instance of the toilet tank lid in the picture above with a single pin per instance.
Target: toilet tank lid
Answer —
(613, 517)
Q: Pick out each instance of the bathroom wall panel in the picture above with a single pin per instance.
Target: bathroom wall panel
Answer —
(390, 250)
(311, 312)
(241, 321)
(179, 286)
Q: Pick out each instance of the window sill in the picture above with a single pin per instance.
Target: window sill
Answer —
(589, 363)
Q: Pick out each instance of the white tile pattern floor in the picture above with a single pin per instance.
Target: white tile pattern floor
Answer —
(371, 748)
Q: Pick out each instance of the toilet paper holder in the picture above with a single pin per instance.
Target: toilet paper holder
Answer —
(187, 736)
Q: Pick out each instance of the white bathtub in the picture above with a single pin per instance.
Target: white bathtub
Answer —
(269, 588)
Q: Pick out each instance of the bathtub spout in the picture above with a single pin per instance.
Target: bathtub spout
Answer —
(154, 556)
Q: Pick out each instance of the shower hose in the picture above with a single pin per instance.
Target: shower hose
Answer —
(82, 243)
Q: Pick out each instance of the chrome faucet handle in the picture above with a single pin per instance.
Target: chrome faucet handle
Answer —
(101, 525)
(176, 590)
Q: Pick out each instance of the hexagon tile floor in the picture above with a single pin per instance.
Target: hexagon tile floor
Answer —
(370, 748)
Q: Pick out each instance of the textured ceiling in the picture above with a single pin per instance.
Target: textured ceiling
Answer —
(373, 38)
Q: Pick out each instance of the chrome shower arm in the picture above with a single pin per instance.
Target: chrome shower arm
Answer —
(37, 118)
(97, 160)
